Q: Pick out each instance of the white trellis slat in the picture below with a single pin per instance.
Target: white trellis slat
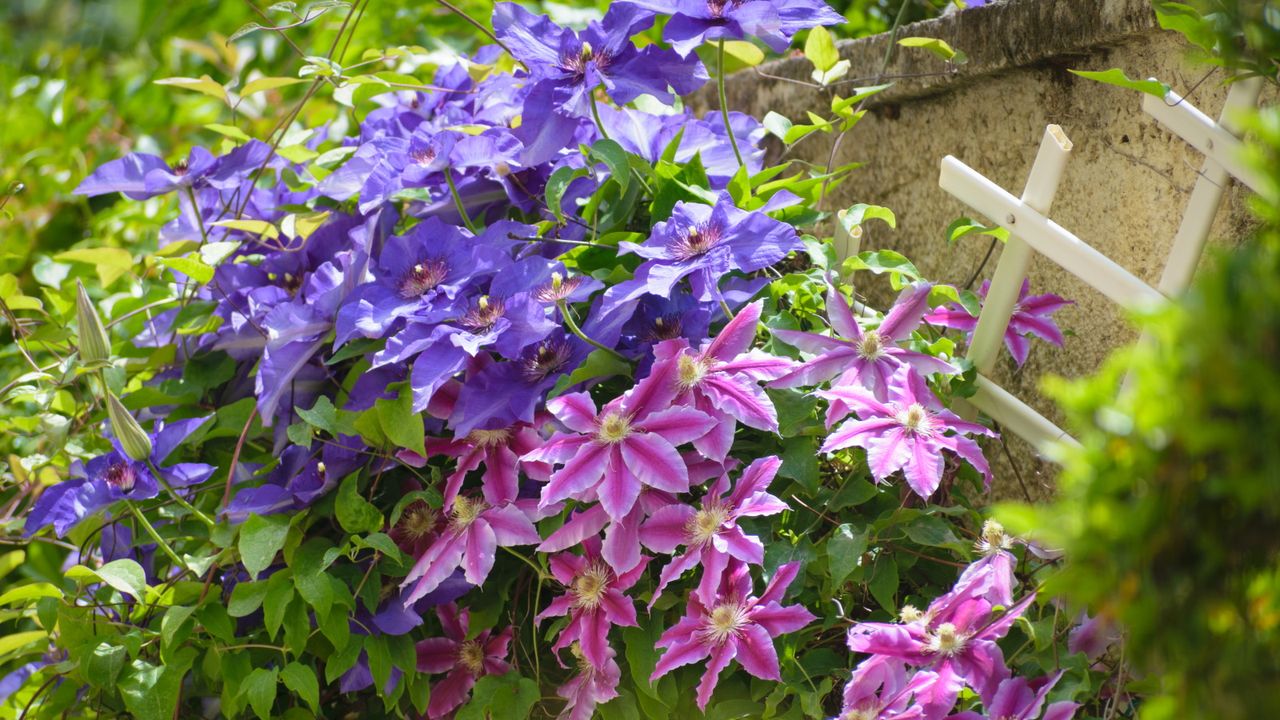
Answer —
(1030, 229)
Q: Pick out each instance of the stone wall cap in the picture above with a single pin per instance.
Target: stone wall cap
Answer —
(1004, 35)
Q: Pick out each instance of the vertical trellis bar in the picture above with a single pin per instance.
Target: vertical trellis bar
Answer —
(1015, 258)
(1181, 117)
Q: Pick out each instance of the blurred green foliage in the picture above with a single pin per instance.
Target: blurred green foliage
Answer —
(1169, 513)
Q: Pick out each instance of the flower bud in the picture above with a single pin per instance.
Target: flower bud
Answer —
(133, 439)
(95, 347)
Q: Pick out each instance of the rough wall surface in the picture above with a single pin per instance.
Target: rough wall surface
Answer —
(1124, 191)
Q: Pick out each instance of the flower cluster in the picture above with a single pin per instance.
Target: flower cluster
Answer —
(512, 322)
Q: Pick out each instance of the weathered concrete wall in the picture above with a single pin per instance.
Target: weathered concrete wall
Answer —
(1124, 191)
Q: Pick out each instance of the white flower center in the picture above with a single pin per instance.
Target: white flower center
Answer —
(588, 588)
(614, 428)
(945, 640)
(706, 523)
(994, 539)
(471, 656)
(916, 420)
(871, 346)
(690, 370)
(726, 620)
(489, 438)
(464, 512)
(910, 614)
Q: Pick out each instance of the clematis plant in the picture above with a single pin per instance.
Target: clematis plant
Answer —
(432, 384)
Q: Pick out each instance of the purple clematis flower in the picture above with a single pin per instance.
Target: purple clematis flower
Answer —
(1022, 699)
(594, 600)
(863, 357)
(907, 432)
(1032, 317)
(710, 534)
(141, 176)
(721, 380)
(112, 477)
(589, 688)
(475, 531)
(705, 243)
(733, 626)
(956, 638)
(568, 66)
(465, 660)
(694, 22)
(611, 454)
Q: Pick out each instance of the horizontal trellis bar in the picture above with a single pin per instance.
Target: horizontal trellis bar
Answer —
(1046, 237)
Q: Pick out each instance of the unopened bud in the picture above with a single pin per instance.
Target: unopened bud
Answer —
(133, 439)
(95, 347)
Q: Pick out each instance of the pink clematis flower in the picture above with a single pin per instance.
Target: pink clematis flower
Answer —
(995, 567)
(866, 358)
(471, 539)
(590, 687)
(464, 660)
(907, 432)
(1022, 699)
(955, 638)
(498, 451)
(629, 444)
(593, 600)
(733, 626)
(1031, 318)
(881, 689)
(722, 380)
(710, 534)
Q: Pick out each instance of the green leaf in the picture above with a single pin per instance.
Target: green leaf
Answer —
(260, 539)
(400, 423)
(189, 266)
(173, 626)
(230, 131)
(264, 84)
(14, 641)
(109, 263)
(279, 593)
(844, 551)
(599, 364)
(309, 564)
(777, 125)
(355, 514)
(301, 679)
(884, 582)
(34, 591)
(126, 576)
(324, 416)
(260, 690)
(932, 531)
(862, 212)
(965, 226)
(615, 157)
(509, 697)
(557, 184)
(935, 46)
(1117, 77)
(151, 692)
(246, 597)
(103, 666)
(820, 48)
(203, 84)
(742, 53)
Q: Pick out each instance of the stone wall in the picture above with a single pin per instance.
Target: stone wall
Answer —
(1124, 190)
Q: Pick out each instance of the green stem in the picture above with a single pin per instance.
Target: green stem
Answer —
(595, 113)
(457, 200)
(725, 307)
(573, 328)
(724, 103)
(151, 530)
(155, 471)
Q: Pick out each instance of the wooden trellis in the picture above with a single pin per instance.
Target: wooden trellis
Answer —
(1031, 230)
